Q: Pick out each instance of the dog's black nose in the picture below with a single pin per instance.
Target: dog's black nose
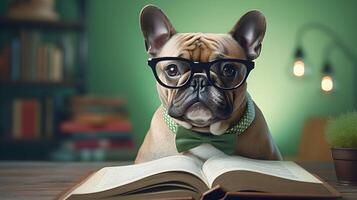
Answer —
(199, 81)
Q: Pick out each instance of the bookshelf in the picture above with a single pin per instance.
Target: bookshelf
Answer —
(8, 23)
(40, 87)
(27, 150)
(51, 84)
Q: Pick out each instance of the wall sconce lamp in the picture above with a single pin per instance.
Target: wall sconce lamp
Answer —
(299, 64)
(328, 82)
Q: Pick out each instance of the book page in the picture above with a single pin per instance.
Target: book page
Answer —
(112, 177)
(216, 166)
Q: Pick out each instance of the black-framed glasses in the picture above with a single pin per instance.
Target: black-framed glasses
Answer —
(176, 72)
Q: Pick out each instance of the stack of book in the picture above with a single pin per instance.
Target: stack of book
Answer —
(28, 119)
(28, 58)
(99, 129)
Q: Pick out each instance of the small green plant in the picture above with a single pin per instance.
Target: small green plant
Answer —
(342, 131)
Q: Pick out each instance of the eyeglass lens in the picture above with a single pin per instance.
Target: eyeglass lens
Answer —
(223, 74)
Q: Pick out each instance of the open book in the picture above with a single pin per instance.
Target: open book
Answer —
(183, 176)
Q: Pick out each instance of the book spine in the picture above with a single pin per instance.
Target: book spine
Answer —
(57, 65)
(16, 119)
(15, 59)
(37, 119)
(120, 126)
(49, 122)
(5, 63)
(50, 63)
(6, 115)
(39, 63)
(23, 56)
(114, 127)
(89, 144)
(100, 135)
(120, 144)
(36, 44)
(27, 119)
(68, 57)
(103, 144)
(58, 107)
(32, 66)
(102, 101)
(45, 63)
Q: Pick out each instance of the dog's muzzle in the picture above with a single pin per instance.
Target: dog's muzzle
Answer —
(200, 102)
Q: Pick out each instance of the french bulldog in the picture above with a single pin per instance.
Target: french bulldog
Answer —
(198, 104)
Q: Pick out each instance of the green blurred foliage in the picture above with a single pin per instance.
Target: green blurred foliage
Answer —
(342, 131)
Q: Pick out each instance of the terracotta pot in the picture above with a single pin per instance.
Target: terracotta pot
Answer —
(345, 160)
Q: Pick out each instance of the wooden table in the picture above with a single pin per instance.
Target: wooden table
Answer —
(45, 180)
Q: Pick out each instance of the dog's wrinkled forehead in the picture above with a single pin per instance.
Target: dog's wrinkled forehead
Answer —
(202, 47)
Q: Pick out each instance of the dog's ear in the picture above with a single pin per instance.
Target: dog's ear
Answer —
(249, 32)
(156, 28)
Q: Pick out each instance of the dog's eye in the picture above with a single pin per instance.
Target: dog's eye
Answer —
(172, 70)
(228, 70)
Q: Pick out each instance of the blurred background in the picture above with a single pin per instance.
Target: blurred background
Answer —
(74, 84)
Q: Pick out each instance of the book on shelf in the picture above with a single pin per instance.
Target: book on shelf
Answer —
(183, 176)
(95, 148)
(16, 120)
(109, 144)
(15, 60)
(91, 100)
(69, 55)
(39, 61)
(49, 121)
(6, 121)
(28, 58)
(29, 119)
(120, 126)
(67, 152)
(26, 122)
(99, 135)
(33, 10)
(5, 53)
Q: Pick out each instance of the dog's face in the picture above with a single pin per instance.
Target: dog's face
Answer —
(201, 106)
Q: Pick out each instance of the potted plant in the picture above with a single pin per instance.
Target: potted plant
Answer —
(341, 133)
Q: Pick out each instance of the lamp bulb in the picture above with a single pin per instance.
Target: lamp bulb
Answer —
(299, 68)
(327, 83)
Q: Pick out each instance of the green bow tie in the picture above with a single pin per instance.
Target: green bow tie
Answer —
(187, 139)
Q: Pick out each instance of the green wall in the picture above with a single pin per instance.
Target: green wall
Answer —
(117, 58)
